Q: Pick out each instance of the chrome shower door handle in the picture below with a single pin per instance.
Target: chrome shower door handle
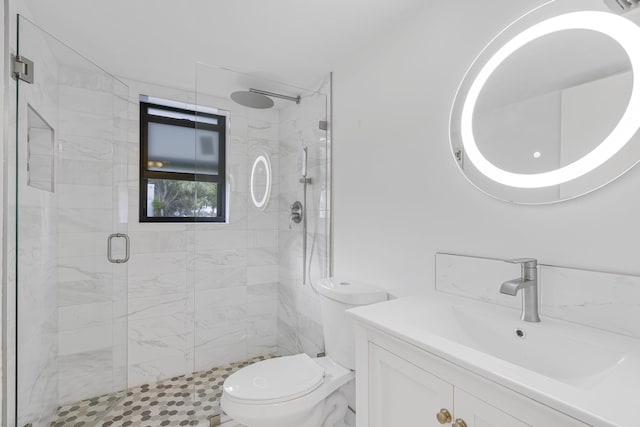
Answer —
(126, 246)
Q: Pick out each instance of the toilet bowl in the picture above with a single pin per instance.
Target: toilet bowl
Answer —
(290, 391)
(300, 391)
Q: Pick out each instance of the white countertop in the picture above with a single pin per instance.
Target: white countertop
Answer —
(611, 398)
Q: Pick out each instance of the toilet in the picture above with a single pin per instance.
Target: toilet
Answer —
(300, 391)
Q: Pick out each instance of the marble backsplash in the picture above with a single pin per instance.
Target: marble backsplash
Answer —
(602, 300)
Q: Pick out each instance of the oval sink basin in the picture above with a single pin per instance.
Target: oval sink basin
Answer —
(552, 348)
(576, 355)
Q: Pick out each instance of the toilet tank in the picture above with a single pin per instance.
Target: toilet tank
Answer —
(336, 297)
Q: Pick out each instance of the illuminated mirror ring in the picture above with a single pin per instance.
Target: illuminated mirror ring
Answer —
(626, 33)
(261, 159)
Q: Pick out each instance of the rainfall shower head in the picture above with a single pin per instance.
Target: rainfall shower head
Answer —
(251, 99)
(256, 98)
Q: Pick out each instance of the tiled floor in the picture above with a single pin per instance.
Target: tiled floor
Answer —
(181, 401)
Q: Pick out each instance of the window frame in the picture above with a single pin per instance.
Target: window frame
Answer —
(145, 175)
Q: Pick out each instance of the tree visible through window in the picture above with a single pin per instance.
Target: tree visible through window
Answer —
(182, 168)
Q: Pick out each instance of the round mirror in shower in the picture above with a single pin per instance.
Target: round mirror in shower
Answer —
(261, 181)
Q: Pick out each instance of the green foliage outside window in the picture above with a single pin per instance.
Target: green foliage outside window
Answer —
(184, 198)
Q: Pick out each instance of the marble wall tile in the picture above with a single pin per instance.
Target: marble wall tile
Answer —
(476, 277)
(224, 277)
(262, 274)
(157, 283)
(86, 100)
(80, 147)
(210, 317)
(262, 256)
(148, 348)
(87, 339)
(220, 258)
(85, 124)
(157, 327)
(205, 357)
(218, 239)
(83, 196)
(225, 333)
(74, 220)
(222, 297)
(76, 369)
(84, 315)
(84, 280)
(263, 220)
(85, 172)
(602, 300)
(141, 264)
(260, 345)
(263, 238)
(288, 339)
(158, 305)
(150, 371)
(76, 76)
(154, 242)
(82, 244)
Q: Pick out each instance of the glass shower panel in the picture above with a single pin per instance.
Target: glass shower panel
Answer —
(248, 299)
(70, 185)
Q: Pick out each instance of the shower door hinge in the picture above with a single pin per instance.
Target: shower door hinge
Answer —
(22, 68)
(323, 125)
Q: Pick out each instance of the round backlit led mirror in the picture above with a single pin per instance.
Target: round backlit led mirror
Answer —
(261, 181)
(550, 110)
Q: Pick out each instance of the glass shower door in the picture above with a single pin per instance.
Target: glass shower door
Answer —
(68, 178)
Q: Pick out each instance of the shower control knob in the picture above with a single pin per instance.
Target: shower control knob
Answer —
(296, 213)
(444, 416)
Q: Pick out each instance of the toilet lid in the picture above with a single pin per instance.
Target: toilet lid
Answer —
(278, 379)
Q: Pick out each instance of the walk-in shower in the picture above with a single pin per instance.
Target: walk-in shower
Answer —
(99, 341)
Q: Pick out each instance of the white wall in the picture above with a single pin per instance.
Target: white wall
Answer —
(399, 196)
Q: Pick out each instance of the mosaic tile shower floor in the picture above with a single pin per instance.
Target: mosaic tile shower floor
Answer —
(192, 400)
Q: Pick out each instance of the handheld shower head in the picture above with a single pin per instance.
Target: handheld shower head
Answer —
(304, 161)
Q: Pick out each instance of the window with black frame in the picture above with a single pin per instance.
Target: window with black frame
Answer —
(182, 163)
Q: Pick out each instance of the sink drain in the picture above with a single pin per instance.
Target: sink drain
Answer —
(520, 333)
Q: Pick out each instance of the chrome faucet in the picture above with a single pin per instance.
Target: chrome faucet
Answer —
(528, 282)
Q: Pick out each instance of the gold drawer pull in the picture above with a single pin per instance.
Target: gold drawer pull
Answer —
(443, 416)
(459, 423)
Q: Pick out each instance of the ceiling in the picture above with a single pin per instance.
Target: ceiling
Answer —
(159, 41)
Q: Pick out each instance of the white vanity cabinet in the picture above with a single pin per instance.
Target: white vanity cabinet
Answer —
(400, 385)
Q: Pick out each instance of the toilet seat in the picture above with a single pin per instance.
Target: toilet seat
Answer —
(275, 380)
(298, 411)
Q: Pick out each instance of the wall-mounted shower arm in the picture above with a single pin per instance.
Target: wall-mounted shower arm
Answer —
(295, 99)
